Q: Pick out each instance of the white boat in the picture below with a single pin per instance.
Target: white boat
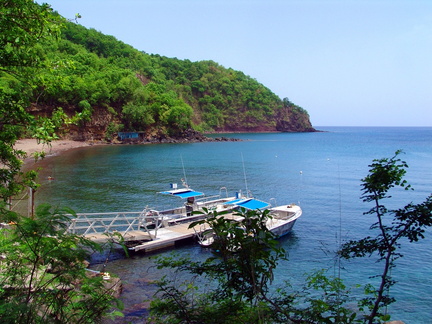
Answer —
(283, 219)
(280, 222)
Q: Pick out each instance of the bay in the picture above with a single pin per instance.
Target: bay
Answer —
(321, 171)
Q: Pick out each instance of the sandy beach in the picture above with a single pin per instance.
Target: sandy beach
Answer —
(31, 146)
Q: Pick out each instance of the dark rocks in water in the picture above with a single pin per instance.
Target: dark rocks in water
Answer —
(187, 136)
(225, 139)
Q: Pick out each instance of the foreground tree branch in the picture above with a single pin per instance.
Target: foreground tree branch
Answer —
(408, 222)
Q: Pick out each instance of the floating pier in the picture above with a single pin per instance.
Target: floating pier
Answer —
(167, 237)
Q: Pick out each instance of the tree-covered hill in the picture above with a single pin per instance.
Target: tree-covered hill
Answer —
(106, 86)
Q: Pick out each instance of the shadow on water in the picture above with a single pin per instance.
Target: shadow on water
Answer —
(289, 240)
(138, 273)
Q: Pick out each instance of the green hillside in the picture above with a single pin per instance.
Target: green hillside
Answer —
(106, 86)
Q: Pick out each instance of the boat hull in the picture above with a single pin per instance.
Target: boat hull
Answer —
(283, 218)
(283, 229)
(280, 223)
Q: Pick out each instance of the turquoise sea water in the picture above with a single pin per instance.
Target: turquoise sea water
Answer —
(320, 171)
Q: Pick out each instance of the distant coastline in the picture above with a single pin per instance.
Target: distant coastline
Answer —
(31, 146)
(56, 147)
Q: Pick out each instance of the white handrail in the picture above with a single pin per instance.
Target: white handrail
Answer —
(123, 222)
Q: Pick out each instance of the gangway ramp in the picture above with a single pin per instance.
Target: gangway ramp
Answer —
(141, 231)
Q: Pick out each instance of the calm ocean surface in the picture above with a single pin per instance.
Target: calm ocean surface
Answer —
(320, 171)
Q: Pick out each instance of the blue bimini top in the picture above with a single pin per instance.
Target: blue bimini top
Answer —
(183, 193)
(249, 203)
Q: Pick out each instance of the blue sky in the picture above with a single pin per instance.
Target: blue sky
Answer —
(348, 63)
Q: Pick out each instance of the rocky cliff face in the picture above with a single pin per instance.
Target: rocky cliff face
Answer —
(287, 120)
(292, 120)
(93, 130)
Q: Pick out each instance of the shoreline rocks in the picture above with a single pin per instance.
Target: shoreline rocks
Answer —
(187, 136)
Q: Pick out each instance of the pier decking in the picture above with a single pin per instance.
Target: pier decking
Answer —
(139, 231)
(167, 237)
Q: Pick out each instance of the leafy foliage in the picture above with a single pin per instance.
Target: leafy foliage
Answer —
(247, 253)
(323, 299)
(23, 26)
(43, 277)
(391, 226)
(42, 271)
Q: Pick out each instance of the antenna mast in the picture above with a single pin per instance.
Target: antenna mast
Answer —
(184, 180)
(244, 174)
